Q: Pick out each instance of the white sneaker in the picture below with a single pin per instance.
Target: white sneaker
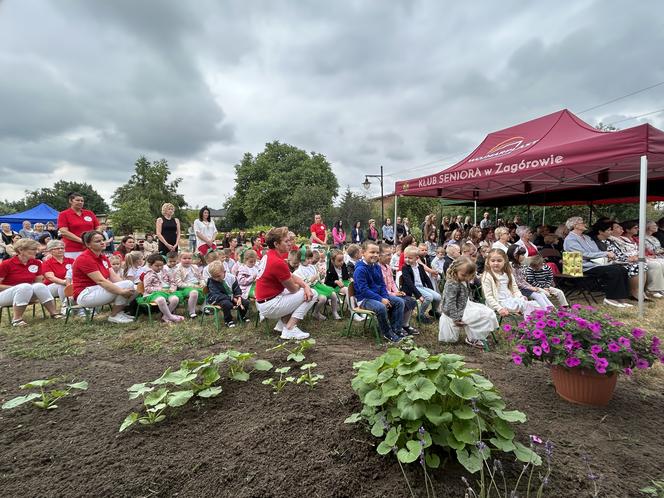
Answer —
(359, 318)
(294, 333)
(613, 303)
(119, 318)
(131, 318)
(657, 295)
(627, 305)
(279, 326)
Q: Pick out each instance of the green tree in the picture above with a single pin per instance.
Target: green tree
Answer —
(7, 207)
(282, 185)
(352, 207)
(133, 216)
(56, 197)
(150, 183)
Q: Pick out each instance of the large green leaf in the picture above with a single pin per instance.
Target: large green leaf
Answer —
(37, 383)
(409, 409)
(179, 398)
(210, 375)
(422, 388)
(502, 428)
(129, 420)
(353, 419)
(391, 388)
(492, 400)
(465, 413)
(432, 460)
(511, 416)
(19, 400)
(375, 398)
(210, 392)
(240, 375)
(410, 453)
(179, 377)
(436, 415)
(378, 429)
(383, 448)
(155, 397)
(83, 385)
(471, 461)
(526, 455)
(502, 444)
(415, 366)
(463, 388)
(454, 443)
(465, 431)
(481, 382)
(393, 356)
(392, 436)
(385, 375)
(368, 371)
(139, 390)
(262, 365)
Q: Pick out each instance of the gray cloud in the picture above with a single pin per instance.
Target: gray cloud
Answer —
(90, 86)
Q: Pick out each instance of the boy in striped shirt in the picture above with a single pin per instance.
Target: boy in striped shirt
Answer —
(540, 275)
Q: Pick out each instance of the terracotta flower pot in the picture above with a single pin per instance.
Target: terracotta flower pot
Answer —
(583, 386)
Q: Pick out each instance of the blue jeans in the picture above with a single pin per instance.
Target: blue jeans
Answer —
(396, 308)
(430, 296)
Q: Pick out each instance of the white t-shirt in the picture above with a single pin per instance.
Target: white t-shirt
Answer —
(307, 273)
(206, 228)
(416, 276)
(499, 245)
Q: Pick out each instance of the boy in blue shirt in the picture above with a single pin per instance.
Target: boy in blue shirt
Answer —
(371, 294)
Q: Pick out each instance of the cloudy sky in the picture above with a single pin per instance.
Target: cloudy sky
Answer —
(88, 86)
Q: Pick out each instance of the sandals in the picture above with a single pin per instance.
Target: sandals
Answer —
(19, 323)
(57, 316)
(475, 344)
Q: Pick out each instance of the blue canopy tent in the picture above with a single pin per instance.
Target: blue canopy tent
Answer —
(42, 213)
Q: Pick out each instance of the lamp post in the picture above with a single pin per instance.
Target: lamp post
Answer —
(367, 184)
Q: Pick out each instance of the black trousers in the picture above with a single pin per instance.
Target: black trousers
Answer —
(227, 308)
(614, 278)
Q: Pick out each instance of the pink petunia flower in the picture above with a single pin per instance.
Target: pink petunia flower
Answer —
(535, 439)
(624, 341)
(600, 369)
(596, 348)
(545, 347)
(555, 340)
(572, 362)
(642, 364)
(637, 333)
(507, 327)
(628, 371)
(614, 347)
(521, 348)
(537, 351)
(517, 359)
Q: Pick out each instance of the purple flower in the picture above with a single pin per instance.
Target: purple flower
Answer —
(517, 359)
(600, 369)
(595, 327)
(535, 439)
(613, 347)
(596, 348)
(507, 327)
(624, 341)
(581, 323)
(603, 362)
(642, 364)
(576, 306)
(637, 333)
(555, 340)
(538, 334)
(545, 347)
(540, 324)
(521, 348)
(551, 323)
(656, 341)
(572, 362)
(628, 371)
(537, 351)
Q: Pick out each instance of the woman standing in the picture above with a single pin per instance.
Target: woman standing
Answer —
(73, 223)
(206, 232)
(338, 234)
(388, 232)
(167, 230)
(372, 232)
(429, 227)
(7, 234)
(95, 282)
(357, 235)
(21, 279)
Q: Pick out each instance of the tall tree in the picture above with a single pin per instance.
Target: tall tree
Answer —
(133, 216)
(282, 185)
(150, 182)
(352, 207)
(56, 197)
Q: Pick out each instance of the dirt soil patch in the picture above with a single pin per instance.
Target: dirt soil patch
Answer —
(249, 442)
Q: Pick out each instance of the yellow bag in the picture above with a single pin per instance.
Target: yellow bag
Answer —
(573, 264)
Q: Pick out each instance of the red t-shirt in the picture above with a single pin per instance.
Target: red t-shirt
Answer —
(402, 260)
(271, 275)
(58, 269)
(13, 272)
(319, 229)
(88, 262)
(77, 225)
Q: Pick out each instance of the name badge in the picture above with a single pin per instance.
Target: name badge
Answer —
(33, 268)
(105, 263)
(87, 218)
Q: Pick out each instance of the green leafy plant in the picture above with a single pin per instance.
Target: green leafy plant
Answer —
(279, 384)
(193, 378)
(238, 364)
(295, 354)
(307, 377)
(43, 399)
(656, 488)
(418, 402)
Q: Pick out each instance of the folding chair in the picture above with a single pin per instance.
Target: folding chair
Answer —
(34, 303)
(216, 309)
(140, 290)
(72, 306)
(368, 314)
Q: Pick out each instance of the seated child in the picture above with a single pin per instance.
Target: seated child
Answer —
(516, 256)
(210, 256)
(224, 291)
(171, 263)
(394, 260)
(385, 255)
(477, 320)
(452, 252)
(116, 264)
(372, 294)
(353, 256)
(499, 286)
(308, 272)
(337, 275)
(189, 279)
(438, 264)
(416, 283)
(229, 261)
(160, 288)
(293, 260)
(247, 274)
(134, 266)
(539, 275)
(320, 260)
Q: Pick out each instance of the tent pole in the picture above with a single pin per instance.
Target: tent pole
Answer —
(590, 217)
(528, 215)
(475, 213)
(643, 191)
(543, 213)
(496, 216)
(394, 222)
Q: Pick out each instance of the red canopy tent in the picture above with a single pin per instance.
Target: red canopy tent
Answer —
(550, 159)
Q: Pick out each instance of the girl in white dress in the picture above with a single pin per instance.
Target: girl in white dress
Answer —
(477, 320)
(499, 286)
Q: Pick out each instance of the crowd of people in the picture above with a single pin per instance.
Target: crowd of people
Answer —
(461, 275)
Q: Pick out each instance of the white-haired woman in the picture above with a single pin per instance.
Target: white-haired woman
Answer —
(615, 277)
(525, 240)
(167, 230)
(502, 239)
(55, 270)
(21, 279)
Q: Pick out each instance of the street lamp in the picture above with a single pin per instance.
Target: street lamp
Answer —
(367, 185)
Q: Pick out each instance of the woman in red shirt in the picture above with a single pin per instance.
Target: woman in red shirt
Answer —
(21, 279)
(55, 270)
(73, 223)
(95, 282)
(279, 294)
